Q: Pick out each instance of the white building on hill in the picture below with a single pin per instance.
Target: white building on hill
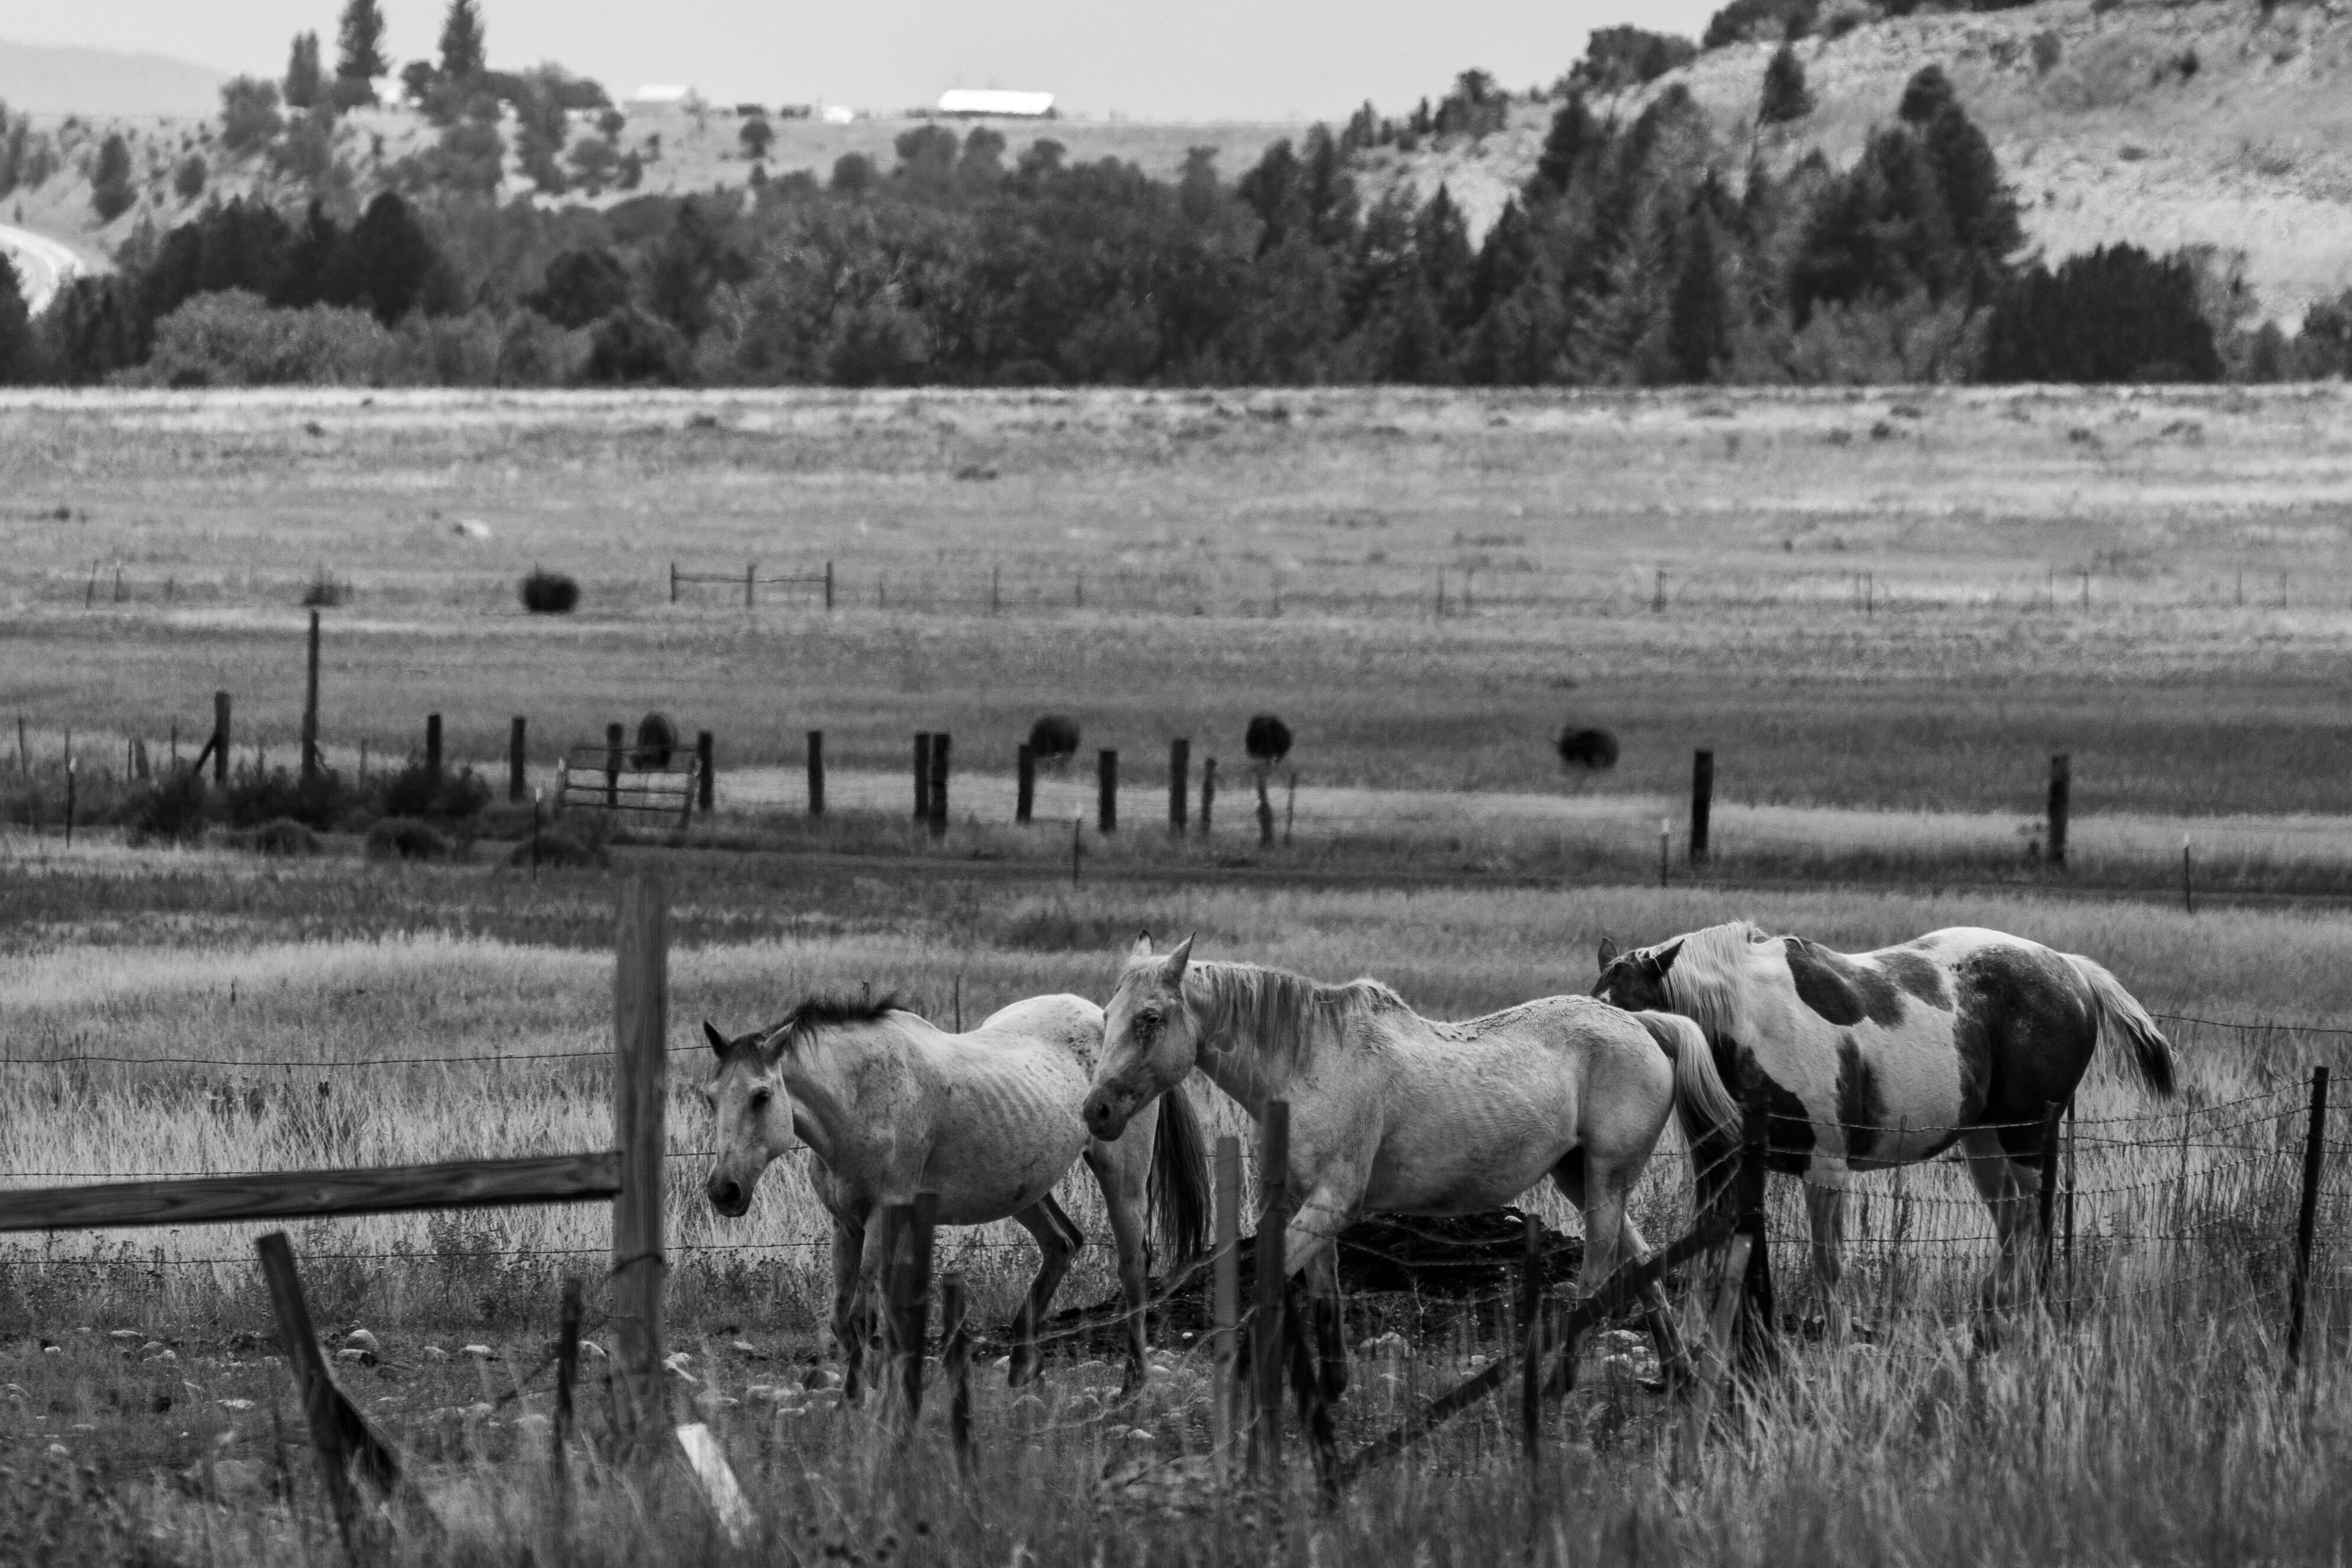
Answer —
(989, 101)
(661, 92)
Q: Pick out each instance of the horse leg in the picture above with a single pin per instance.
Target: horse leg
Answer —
(1311, 1384)
(848, 1303)
(1825, 1209)
(1311, 1250)
(1057, 1241)
(2013, 1218)
(1330, 1323)
(1674, 1364)
(1123, 1170)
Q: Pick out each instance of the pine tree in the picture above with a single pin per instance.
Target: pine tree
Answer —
(359, 41)
(1699, 336)
(16, 327)
(463, 50)
(303, 81)
(1786, 97)
(110, 192)
(1572, 135)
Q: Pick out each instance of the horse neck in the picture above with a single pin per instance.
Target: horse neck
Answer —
(1232, 1052)
(822, 1078)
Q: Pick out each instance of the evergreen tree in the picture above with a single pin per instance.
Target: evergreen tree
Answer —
(1928, 94)
(359, 43)
(110, 191)
(1573, 135)
(303, 82)
(2118, 314)
(1699, 336)
(464, 49)
(16, 327)
(1786, 98)
(1981, 206)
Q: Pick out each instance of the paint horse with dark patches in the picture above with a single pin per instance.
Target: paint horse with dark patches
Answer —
(989, 1120)
(1875, 1059)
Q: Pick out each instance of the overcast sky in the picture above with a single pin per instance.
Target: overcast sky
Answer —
(1190, 59)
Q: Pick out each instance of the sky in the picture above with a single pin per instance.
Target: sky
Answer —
(1198, 59)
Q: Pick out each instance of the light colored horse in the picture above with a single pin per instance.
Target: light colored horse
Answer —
(1871, 1060)
(892, 1106)
(1394, 1113)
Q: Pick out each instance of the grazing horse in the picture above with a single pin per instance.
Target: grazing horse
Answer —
(1875, 1059)
(892, 1106)
(1394, 1113)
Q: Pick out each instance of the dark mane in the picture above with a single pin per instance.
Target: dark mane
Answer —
(826, 1010)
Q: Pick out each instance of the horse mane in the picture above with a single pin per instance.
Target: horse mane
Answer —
(1287, 1014)
(1705, 980)
(827, 1010)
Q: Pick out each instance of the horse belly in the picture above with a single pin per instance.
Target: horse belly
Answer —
(1462, 1166)
(1002, 1141)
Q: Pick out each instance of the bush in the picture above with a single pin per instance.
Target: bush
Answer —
(172, 809)
(1747, 21)
(1623, 56)
(249, 116)
(283, 836)
(418, 791)
(581, 288)
(110, 192)
(233, 339)
(1267, 740)
(189, 178)
(1054, 737)
(549, 593)
(559, 848)
(406, 838)
(631, 345)
(256, 797)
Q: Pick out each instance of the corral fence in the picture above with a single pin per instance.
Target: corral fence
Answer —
(817, 586)
(2236, 1205)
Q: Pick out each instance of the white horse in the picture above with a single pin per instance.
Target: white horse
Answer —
(989, 1120)
(1394, 1113)
(1871, 1060)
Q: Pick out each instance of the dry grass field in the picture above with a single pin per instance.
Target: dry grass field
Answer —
(1879, 765)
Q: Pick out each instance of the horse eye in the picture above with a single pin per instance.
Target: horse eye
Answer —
(759, 1098)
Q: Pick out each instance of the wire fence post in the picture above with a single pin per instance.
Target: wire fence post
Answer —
(337, 1431)
(955, 1365)
(1106, 792)
(817, 772)
(922, 776)
(2314, 1152)
(640, 1028)
(749, 567)
(705, 786)
(433, 744)
(828, 584)
(1702, 803)
(1226, 1299)
(1208, 793)
(1179, 783)
(1531, 1340)
(613, 734)
(2062, 785)
(559, 1433)
(938, 803)
(220, 739)
(1266, 1326)
(311, 708)
(1024, 782)
(517, 758)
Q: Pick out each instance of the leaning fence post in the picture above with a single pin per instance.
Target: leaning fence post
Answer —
(337, 1431)
(1024, 782)
(1180, 782)
(1266, 1342)
(1226, 1305)
(517, 758)
(705, 749)
(1106, 792)
(311, 707)
(817, 772)
(922, 776)
(1531, 1340)
(640, 1028)
(937, 802)
(559, 1433)
(2314, 1150)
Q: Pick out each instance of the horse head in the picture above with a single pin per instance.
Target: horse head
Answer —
(1636, 980)
(1150, 1038)
(753, 1113)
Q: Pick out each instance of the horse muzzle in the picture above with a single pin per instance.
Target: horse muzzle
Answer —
(729, 1196)
(1107, 1113)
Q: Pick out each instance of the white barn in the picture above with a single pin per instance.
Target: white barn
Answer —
(990, 101)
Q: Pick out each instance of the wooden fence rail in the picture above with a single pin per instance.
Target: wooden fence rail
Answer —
(306, 1194)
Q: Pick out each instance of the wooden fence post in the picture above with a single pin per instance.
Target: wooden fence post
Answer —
(2314, 1151)
(1531, 1340)
(828, 584)
(705, 755)
(311, 708)
(433, 744)
(673, 582)
(517, 758)
(1024, 782)
(1106, 792)
(613, 734)
(748, 568)
(938, 796)
(1759, 1348)
(337, 1431)
(567, 1376)
(1702, 803)
(922, 776)
(817, 772)
(1265, 812)
(1226, 1303)
(1266, 1342)
(1208, 793)
(640, 1028)
(72, 769)
(2061, 782)
(220, 738)
(1179, 783)
(955, 1365)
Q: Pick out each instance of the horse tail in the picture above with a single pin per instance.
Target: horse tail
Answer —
(2123, 1021)
(1703, 1107)
(1180, 1179)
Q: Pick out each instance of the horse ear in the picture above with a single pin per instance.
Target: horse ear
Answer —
(1172, 971)
(717, 1041)
(1663, 958)
(1608, 950)
(1142, 948)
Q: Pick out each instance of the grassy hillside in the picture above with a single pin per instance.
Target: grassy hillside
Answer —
(2249, 149)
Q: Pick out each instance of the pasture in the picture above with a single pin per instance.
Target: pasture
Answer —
(1883, 612)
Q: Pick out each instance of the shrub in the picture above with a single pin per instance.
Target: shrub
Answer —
(559, 847)
(256, 797)
(173, 808)
(281, 836)
(632, 345)
(189, 178)
(418, 791)
(1786, 98)
(233, 339)
(406, 838)
(110, 192)
(548, 592)
(1623, 56)
(1054, 737)
(1267, 740)
(1592, 750)
(581, 288)
(249, 116)
(1745, 21)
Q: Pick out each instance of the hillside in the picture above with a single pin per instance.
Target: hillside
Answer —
(38, 80)
(2248, 148)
